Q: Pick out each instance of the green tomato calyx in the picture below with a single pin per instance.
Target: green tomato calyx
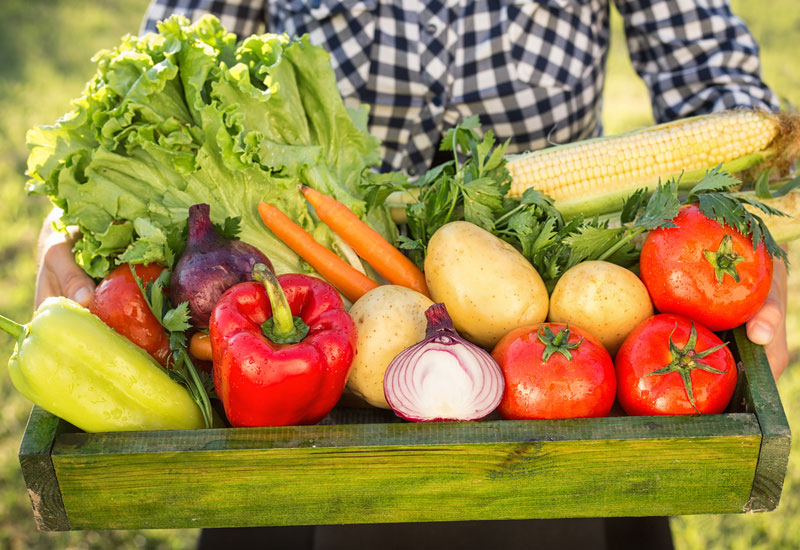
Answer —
(687, 359)
(724, 259)
(558, 342)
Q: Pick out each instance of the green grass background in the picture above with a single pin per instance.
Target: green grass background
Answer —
(45, 51)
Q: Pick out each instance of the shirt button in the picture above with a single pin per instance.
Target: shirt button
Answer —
(431, 28)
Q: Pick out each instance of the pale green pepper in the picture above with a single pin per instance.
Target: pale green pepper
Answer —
(73, 365)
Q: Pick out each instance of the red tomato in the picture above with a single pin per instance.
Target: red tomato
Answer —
(705, 271)
(659, 353)
(552, 371)
(119, 303)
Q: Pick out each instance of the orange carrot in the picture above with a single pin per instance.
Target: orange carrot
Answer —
(349, 281)
(200, 346)
(368, 243)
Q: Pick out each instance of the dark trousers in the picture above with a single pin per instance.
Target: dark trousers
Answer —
(649, 533)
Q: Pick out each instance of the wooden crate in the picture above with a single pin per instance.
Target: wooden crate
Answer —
(365, 466)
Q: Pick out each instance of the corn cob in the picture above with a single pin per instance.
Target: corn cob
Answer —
(594, 176)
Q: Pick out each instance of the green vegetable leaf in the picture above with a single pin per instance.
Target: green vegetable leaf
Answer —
(632, 206)
(589, 242)
(178, 319)
(714, 180)
(230, 228)
(192, 115)
(661, 208)
(715, 201)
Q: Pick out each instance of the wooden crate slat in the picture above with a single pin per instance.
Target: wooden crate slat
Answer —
(38, 472)
(364, 473)
(763, 399)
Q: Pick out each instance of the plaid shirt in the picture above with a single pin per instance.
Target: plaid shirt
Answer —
(532, 70)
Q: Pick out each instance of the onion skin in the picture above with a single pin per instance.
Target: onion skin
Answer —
(443, 377)
(209, 266)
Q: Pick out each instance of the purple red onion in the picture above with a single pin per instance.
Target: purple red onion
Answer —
(210, 265)
(443, 377)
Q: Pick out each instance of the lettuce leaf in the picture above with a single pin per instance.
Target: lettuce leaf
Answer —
(190, 115)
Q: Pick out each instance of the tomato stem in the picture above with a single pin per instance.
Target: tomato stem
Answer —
(558, 342)
(687, 359)
(724, 259)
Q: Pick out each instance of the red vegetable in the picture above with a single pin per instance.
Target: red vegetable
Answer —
(554, 371)
(671, 365)
(443, 377)
(282, 349)
(119, 302)
(209, 266)
(705, 271)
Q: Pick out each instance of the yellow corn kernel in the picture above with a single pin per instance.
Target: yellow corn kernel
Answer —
(644, 157)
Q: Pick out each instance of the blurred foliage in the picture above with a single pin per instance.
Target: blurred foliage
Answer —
(46, 47)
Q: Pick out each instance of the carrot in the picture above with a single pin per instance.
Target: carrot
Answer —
(200, 346)
(350, 282)
(368, 243)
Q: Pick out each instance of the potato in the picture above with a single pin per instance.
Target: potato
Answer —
(388, 320)
(602, 298)
(488, 287)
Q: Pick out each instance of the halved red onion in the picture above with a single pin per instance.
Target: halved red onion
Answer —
(444, 377)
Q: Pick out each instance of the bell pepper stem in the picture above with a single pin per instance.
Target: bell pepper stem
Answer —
(282, 327)
(13, 328)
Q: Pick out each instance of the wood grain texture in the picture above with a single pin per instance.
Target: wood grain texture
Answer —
(37, 470)
(366, 466)
(762, 398)
(367, 473)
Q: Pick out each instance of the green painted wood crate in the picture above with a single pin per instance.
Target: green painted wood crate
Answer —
(364, 466)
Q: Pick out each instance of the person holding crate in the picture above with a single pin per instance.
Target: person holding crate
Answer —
(534, 72)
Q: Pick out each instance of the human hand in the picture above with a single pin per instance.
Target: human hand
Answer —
(768, 325)
(58, 274)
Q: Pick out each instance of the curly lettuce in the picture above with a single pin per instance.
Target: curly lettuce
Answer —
(192, 115)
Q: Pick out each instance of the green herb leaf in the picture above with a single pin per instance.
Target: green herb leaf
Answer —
(716, 202)
(661, 208)
(230, 228)
(178, 319)
(588, 242)
(715, 180)
(632, 205)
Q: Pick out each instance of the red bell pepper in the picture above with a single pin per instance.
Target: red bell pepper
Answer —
(282, 349)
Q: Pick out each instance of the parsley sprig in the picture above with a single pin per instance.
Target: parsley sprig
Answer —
(176, 322)
(715, 199)
(473, 186)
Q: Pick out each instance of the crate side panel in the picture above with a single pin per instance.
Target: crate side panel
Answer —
(323, 484)
(38, 472)
(764, 400)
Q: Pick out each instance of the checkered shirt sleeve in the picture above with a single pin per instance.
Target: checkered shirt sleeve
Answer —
(533, 70)
(695, 57)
